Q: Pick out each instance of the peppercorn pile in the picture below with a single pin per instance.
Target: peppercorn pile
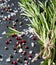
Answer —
(16, 49)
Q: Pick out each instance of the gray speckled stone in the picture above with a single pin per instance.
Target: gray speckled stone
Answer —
(3, 38)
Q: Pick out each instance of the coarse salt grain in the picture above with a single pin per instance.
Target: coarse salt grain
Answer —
(30, 52)
(9, 16)
(30, 30)
(20, 50)
(3, 33)
(1, 59)
(5, 17)
(12, 14)
(32, 44)
(8, 59)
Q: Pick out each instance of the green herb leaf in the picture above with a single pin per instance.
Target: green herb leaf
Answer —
(12, 31)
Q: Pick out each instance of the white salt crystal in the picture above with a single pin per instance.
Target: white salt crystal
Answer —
(25, 64)
(1, 59)
(19, 35)
(5, 17)
(30, 36)
(29, 58)
(14, 23)
(20, 50)
(30, 52)
(32, 44)
(3, 33)
(8, 59)
(19, 45)
(12, 14)
(30, 30)
(9, 16)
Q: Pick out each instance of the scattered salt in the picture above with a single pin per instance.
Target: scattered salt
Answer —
(3, 33)
(8, 59)
(32, 44)
(20, 50)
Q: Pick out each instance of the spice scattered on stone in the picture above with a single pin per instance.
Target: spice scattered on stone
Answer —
(8, 59)
(19, 45)
(20, 50)
(32, 44)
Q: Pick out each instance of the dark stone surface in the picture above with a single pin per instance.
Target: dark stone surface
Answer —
(3, 27)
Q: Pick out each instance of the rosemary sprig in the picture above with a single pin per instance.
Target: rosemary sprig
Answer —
(42, 16)
(43, 24)
(12, 31)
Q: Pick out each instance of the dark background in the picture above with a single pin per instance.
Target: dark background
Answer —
(3, 27)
